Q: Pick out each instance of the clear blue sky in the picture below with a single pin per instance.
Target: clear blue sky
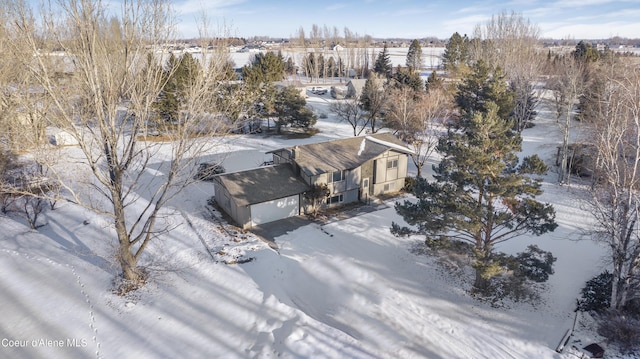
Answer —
(575, 19)
(559, 19)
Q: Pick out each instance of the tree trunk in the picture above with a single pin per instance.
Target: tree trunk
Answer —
(128, 262)
(481, 284)
(564, 165)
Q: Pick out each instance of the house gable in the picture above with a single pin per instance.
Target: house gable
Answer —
(355, 87)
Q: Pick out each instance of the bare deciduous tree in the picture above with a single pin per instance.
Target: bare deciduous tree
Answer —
(348, 110)
(30, 207)
(511, 41)
(417, 118)
(567, 84)
(114, 69)
(616, 198)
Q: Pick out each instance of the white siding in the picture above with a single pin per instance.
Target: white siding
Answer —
(274, 210)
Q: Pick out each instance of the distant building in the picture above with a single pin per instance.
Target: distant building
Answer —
(355, 87)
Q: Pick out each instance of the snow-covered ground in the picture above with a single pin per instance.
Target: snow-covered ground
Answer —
(348, 289)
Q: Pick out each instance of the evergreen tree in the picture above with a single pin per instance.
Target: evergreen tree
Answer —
(178, 81)
(482, 86)
(332, 68)
(321, 65)
(259, 77)
(228, 70)
(456, 53)
(404, 76)
(433, 82)
(414, 56)
(264, 68)
(291, 110)
(482, 194)
(373, 100)
(383, 64)
(167, 104)
(585, 52)
(593, 100)
(290, 66)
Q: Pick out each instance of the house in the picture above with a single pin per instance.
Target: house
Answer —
(302, 90)
(354, 87)
(354, 169)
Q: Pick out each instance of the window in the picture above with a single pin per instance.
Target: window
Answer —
(389, 186)
(392, 164)
(337, 176)
(335, 199)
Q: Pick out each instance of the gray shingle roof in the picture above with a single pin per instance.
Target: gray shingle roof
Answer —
(262, 184)
(345, 154)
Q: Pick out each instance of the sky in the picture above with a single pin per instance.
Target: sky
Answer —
(558, 19)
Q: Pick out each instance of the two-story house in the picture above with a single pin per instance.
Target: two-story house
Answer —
(354, 169)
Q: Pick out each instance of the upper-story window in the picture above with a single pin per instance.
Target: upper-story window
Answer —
(337, 176)
(392, 164)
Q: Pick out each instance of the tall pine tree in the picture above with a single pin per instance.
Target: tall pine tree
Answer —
(414, 56)
(433, 82)
(180, 73)
(383, 64)
(373, 100)
(292, 111)
(456, 53)
(483, 195)
(484, 85)
(264, 68)
(404, 76)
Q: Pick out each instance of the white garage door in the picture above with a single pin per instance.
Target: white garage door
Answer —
(274, 210)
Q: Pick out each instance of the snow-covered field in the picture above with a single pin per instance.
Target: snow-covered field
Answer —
(431, 56)
(348, 289)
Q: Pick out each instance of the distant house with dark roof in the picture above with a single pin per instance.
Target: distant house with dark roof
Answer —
(354, 169)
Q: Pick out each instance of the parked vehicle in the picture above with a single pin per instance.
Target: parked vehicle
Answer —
(318, 90)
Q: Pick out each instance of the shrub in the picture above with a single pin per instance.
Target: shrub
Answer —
(316, 195)
(516, 277)
(596, 294)
(535, 264)
(206, 171)
(409, 182)
(621, 329)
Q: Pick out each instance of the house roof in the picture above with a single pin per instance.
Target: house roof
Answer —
(262, 184)
(344, 154)
(357, 85)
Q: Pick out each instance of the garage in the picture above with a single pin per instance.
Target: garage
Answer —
(274, 210)
(260, 195)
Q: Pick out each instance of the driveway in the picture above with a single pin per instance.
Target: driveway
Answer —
(269, 231)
